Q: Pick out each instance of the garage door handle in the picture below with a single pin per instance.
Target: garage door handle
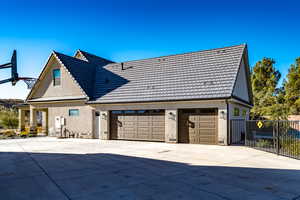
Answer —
(119, 123)
(190, 124)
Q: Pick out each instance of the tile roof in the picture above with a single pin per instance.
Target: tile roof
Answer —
(205, 74)
(95, 59)
(208, 74)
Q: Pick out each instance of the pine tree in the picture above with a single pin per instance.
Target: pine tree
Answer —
(292, 88)
(264, 78)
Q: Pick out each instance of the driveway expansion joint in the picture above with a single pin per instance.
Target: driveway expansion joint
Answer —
(45, 172)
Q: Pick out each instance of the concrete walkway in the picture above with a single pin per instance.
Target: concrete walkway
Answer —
(49, 168)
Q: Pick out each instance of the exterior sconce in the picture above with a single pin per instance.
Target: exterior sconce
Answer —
(171, 115)
(103, 116)
(222, 115)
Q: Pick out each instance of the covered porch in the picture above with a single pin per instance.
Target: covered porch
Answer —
(33, 120)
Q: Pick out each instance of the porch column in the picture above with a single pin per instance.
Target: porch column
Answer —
(45, 121)
(32, 119)
(171, 126)
(21, 119)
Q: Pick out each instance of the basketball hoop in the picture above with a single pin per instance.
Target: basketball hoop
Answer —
(14, 73)
(29, 81)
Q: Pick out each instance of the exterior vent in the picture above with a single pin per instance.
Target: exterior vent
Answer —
(208, 83)
(149, 87)
(124, 68)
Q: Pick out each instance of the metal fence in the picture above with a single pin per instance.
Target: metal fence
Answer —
(237, 131)
(280, 137)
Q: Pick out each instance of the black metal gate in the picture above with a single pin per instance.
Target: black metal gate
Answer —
(237, 131)
(280, 137)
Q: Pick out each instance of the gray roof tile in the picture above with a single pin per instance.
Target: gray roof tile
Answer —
(197, 75)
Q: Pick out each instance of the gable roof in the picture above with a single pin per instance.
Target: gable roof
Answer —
(39, 79)
(94, 59)
(83, 72)
(209, 74)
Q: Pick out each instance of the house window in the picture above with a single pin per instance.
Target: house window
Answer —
(56, 77)
(73, 112)
(244, 112)
(236, 112)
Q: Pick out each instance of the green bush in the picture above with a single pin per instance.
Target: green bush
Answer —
(263, 143)
(291, 146)
(9, 119)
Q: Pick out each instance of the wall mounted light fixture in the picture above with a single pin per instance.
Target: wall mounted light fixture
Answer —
(222, 115)
(171, 115)
(103, 116)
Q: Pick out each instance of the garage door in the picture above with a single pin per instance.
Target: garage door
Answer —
(138, 125)
(198, 126)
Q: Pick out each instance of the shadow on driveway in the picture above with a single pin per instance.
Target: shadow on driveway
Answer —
(110, 176)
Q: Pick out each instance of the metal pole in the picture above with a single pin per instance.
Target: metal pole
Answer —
(277, 142)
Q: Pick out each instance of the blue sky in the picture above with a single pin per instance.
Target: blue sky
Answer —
(126, 30)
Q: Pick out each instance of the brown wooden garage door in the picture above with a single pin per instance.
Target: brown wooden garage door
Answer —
(198, 126)
(138, 125)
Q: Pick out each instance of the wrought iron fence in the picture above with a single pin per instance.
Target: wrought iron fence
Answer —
(280, 137)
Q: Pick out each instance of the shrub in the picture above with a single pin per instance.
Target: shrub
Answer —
(291, 146)
(8, 133)
(263, 143)
(9, 119)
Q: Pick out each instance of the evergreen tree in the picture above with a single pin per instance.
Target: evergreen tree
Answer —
(292, 88)
(264, 78)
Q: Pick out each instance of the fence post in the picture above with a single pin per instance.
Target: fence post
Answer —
(277, 134)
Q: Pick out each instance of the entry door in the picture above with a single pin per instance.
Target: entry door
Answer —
(198, 126)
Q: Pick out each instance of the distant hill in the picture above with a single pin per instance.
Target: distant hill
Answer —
(9, 103)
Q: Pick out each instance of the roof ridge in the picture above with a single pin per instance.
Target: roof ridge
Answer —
(226, 47)
(90, 54)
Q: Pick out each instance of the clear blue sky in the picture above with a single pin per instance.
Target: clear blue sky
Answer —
(125, 30)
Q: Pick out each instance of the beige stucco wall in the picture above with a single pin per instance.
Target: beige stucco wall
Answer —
(171, 124)
(240, 88)
(237, 126)
(68, 86)
(241, 107)
(82, 125)
(294, 117)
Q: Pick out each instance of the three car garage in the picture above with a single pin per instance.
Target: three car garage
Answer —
(198, 126)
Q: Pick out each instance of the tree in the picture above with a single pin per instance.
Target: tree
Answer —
(292, 88)
(9, 119)
(264, 78)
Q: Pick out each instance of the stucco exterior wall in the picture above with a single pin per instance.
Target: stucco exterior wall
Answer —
(240, 89)
(82, 125)
(171, 124)
(68, 86)
(233, 105)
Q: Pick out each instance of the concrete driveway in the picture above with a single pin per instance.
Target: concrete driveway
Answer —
(49, 168)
